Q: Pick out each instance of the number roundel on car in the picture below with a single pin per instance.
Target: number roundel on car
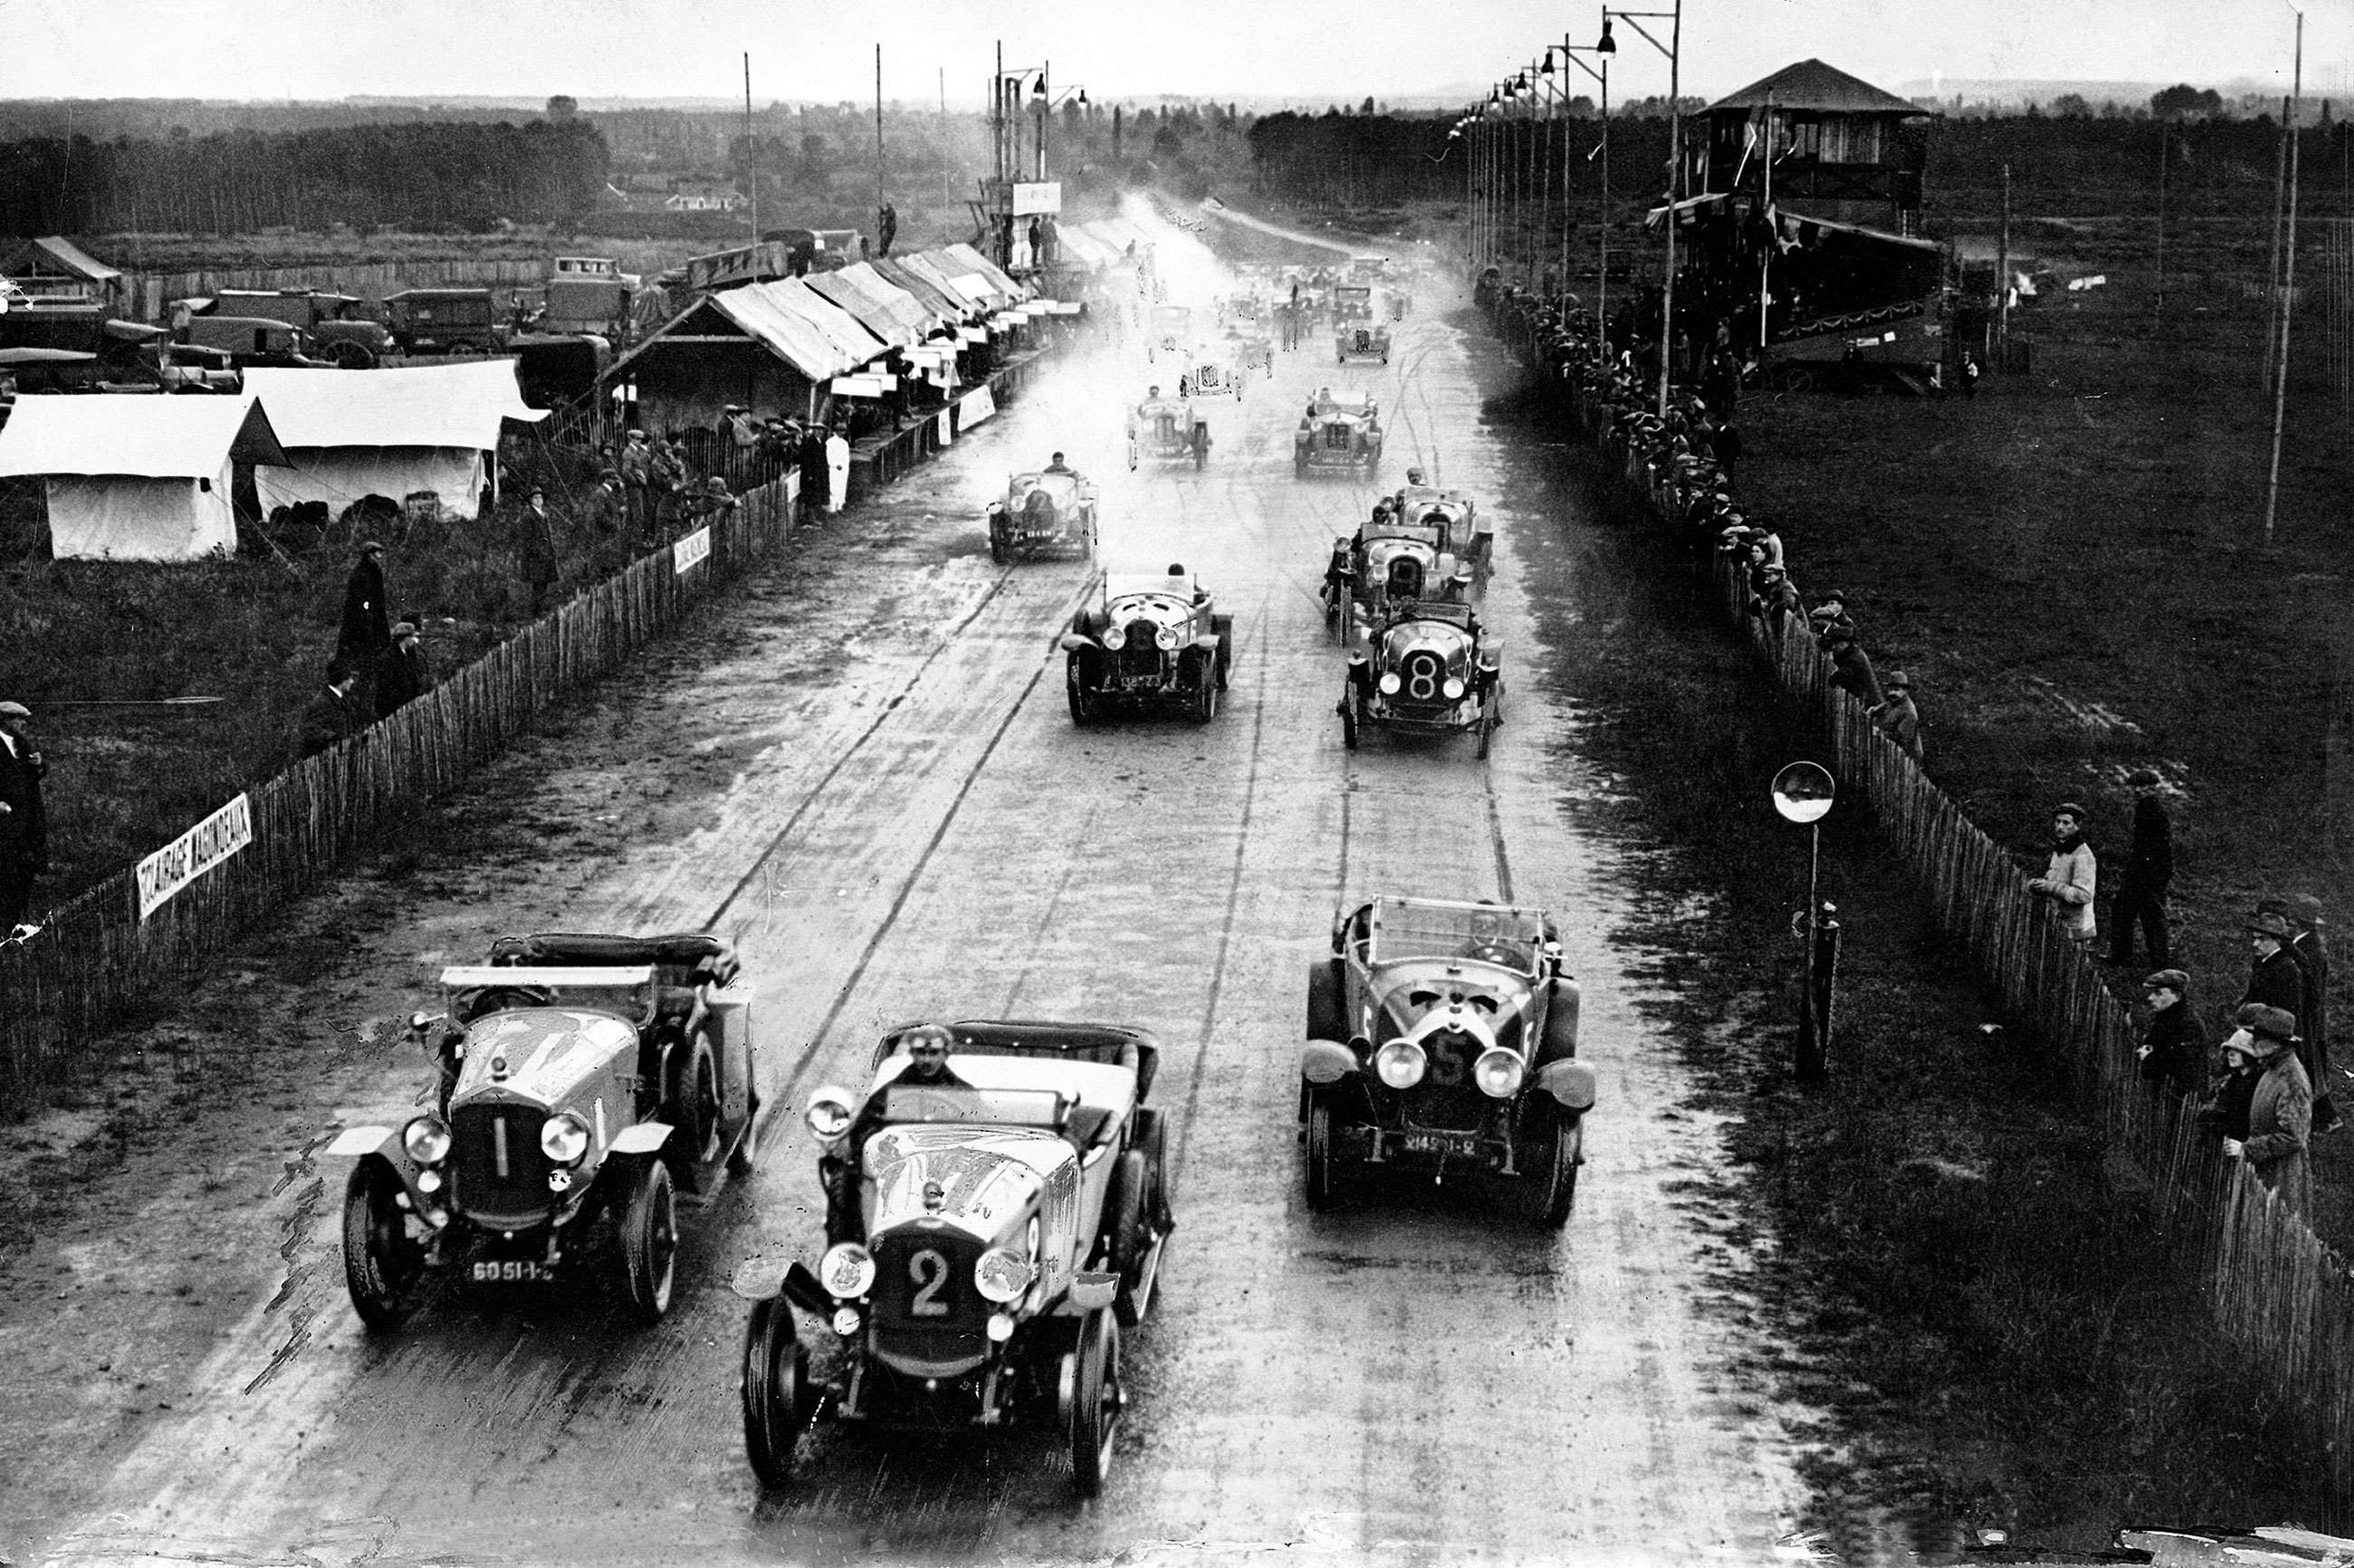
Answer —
(1422, 671)
(928, 1275)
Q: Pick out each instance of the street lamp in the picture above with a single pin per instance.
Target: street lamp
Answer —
(1570, 52)
(1672, 49)
(1803, 792)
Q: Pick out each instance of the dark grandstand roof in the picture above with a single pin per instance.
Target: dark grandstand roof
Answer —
(1812, 85)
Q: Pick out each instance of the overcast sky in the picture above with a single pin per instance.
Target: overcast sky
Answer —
(1327, 50)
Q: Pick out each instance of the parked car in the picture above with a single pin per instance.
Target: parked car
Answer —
(581, 1076)
(1041, 514)
(1338, 435)
(251, 341)
(1427, 670)
(1442, 1038)
(1005, 1224)
(445, 321)
(1167, 430)
(336, 327)
(1148, 640)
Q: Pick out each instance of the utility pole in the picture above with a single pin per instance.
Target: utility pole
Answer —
(2288, 285)
(1772, 230)
(2165, 150)
(878, 145)
(2272, 257)
(2002, 269)
(751, 161)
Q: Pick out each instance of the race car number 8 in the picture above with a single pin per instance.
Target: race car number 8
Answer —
(929, 1271)
(1422, 678)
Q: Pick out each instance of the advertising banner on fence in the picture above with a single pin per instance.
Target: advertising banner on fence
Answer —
(193, 853)
(943, 427)
(974, 407)
(691, 548)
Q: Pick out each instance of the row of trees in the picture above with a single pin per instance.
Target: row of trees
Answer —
(443, 176)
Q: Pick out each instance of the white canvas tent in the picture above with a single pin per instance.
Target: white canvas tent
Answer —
(134, 478)
(387, 432)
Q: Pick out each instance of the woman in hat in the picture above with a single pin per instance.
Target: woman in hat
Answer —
(2280, 1112)
(2225, 1113)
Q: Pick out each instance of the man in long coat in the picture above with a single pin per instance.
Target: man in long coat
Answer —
(403, 676)
(535, 543)
(334, 715)
(24, 821)
(2273, 979)
(2311, 952)
(2280, 1116)
(367, 630)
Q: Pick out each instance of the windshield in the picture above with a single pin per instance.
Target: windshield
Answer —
(994, 1107)
(1493, 932)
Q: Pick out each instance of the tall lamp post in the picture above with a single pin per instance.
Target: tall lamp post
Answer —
(1570, 52)
(1672, 48)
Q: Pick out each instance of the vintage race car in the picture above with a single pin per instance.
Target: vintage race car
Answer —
(1211, 372)
(1167, 429)
(1356, 335)
(1171, 330)
(1442, 1037)
(1384, 565)
(1247, 349)
(581, 1076)
(1427, 670)
(1149, 641)
(1007, 1222)
(1041, 514)
(1456, 516)
(1338, 435)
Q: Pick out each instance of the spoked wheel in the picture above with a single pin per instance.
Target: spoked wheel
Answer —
(776, 1393)
(1556, 1178)
(1096, 1400)
(353, 356)
(384, 1265)
(1204, 694)
(1322, 1185)
(693, 1101)
(1487, 725)
(649, 1242)
(1086, 706)
(997, 550)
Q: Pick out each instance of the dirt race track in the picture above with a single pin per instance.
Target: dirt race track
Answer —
(866, 773)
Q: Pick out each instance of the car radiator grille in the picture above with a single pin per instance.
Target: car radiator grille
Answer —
(496, 1169)
(926, 1307)
(1140, 656)
(1448, 1097)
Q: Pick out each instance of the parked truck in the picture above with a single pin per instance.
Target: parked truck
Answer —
(336, 327)
(445, 321)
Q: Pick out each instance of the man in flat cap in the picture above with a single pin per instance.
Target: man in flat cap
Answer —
(2311, 953)
(2280, 1113)
(24, 821)
(2273, 979)
(1896, 717)
(403, 676)
(2070, 881)
(2172, 1057)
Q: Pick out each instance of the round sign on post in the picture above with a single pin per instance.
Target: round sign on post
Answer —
(1803, 792)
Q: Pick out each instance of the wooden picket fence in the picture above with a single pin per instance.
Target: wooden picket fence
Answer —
(2278, 1293)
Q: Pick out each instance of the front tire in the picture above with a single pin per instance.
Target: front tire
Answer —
(1095, 1403)
(1130, 1238)
(1204, 692)
(776, 1393)
(1557, 1182)
(382, 1264)
(1086, 706)
(1322, 1186)
(649, 1242)
(693, 1102)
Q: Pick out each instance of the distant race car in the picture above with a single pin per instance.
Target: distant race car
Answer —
(1167, 430)
(1442, 1038)
(1356, 336)
(1338, 435)
(1149, 641)
(1427, 670)
(1385, 566)
(1462, 531)
(995, 1229)
(1171, 330)
(1044, 513)
(582, 1076)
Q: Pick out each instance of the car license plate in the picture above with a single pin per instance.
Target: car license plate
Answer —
(509, 1271)
(1441, 1143)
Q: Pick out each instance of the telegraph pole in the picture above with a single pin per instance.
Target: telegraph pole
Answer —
(878, 146)
(2288, 285)
(751, 161)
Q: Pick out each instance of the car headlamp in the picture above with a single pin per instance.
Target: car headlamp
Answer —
(1498, 1073)
(830, 1114)
(1001, 1275)
(427, 1141)
(1165, 637)
(1453, 688)
(847, 1270)
(1401, 1064)
(1114, 638)
(1390, 682)
(564, 1139)
(845, 1321)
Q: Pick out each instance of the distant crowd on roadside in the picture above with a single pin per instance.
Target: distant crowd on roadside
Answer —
(2263, 1091)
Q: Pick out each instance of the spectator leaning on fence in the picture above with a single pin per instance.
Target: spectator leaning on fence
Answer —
(2149, 868)
(2280, 1112)
(403, 676)
(2068, 884)
(23, 820)
(2172, 1055)
(334, 715)
(2225, 1114)
(2310, 951)
(1896, 717)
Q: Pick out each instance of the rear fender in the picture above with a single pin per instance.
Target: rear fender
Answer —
(1571, 1084)
(1326, 1061)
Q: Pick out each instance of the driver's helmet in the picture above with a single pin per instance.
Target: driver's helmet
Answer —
(927, 1035)
(1413, 476)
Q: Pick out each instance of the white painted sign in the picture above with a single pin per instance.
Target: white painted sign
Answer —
(1037, 195)
(193, 853)
(943, 427)
(690, 550)
(974, 407)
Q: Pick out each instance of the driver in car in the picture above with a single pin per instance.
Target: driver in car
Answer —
(1058, 466)
(927, 1046)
